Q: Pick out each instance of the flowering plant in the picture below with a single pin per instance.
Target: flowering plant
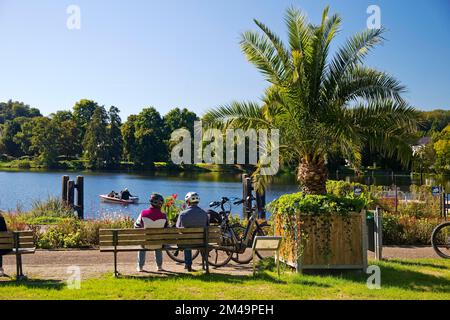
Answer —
(172, 207)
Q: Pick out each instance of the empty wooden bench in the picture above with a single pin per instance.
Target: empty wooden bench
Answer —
(123, 240)
(19, 242)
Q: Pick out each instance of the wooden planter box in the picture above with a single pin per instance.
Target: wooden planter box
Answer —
(347, 243)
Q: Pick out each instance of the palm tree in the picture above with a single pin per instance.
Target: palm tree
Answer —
(321, 103)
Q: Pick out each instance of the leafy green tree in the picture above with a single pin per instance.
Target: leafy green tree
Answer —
(128, 130)
(96, 140)
(179, 118)
(11, 144)
(435, 120)
(442, 149)
(14, 109)
(44, 141)
(318, 101)
(143, 138)
(115, 137)
(83, 111)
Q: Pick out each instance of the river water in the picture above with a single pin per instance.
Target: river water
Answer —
(19, 189)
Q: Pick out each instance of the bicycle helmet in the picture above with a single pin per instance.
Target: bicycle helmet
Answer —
(156, 200)
(192, 197)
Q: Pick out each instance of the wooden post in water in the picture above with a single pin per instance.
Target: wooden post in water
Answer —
(247, 189)
(261, 204)
(70, 193)
(65, 179)
(80, 197)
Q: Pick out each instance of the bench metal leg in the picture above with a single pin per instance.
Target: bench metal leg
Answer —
(116, 273)
(19, 269)
(205, 260)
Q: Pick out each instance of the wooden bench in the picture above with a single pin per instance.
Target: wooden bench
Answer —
(122, 240)
(19, 242)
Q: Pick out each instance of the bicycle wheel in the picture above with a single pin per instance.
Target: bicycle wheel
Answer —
(263, 230)
(440, 240)
(177, 255)
(247, 255)
(218, 257)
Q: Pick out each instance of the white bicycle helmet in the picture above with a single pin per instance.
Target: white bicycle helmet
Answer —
(192, 197)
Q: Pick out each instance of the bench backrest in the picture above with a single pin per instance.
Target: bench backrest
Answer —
(158, 236)
(16, 240)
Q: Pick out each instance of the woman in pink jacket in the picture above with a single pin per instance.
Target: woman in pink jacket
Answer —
(152, 218)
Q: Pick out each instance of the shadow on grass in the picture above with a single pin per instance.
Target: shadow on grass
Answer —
(212, 277)
(417, 264)
(43, 284)
(411, 280)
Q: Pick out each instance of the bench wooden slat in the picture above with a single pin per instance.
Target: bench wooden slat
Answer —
(138, 248)
(151, 231)
(26, 238)
(152, 242)
(154, 237)
(6, 240)
(6, 234)
(22, 245)
(27, 233)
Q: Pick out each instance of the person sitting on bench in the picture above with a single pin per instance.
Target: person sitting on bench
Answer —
(152, 218)
(192, 217)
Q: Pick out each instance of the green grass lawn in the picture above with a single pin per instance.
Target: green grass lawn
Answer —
(400, 279)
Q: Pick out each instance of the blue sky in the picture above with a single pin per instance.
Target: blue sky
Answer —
(166, 54)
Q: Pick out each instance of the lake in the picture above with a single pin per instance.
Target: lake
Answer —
(20, 188)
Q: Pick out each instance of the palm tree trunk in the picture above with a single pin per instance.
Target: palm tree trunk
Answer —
(312, 175)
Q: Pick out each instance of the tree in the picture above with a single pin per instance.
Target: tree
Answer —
(96, 140)
(14, 109)
(128, 130)
(318, 101)
(10, 143)
(83, 111)
(143, 138)
(44, 141)
(442, 149)
(115, 137)
(177, 119)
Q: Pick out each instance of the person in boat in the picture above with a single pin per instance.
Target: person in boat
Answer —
(3, 228)
(125, 194)
(152, 217)
(192, 217)
(112, 194)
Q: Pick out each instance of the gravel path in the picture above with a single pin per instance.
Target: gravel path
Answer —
(53, 264)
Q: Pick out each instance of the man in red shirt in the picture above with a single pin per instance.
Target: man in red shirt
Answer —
(152, 218)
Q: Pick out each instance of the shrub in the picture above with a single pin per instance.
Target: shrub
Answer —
(407, 230)
(291, 204)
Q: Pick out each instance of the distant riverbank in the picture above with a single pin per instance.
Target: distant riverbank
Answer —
(77, 165)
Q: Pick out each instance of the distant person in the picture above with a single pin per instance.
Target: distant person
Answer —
(3, 228)
(112, 194)
(152, 218)
(125, 194)
(192, 217)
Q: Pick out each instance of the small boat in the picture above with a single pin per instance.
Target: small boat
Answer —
(106, 198)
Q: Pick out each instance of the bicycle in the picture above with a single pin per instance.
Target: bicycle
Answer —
(440, 239)
(177, 254)
(237, 240)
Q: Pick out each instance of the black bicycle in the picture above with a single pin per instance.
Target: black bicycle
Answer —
(440, 240)
(237, 240)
